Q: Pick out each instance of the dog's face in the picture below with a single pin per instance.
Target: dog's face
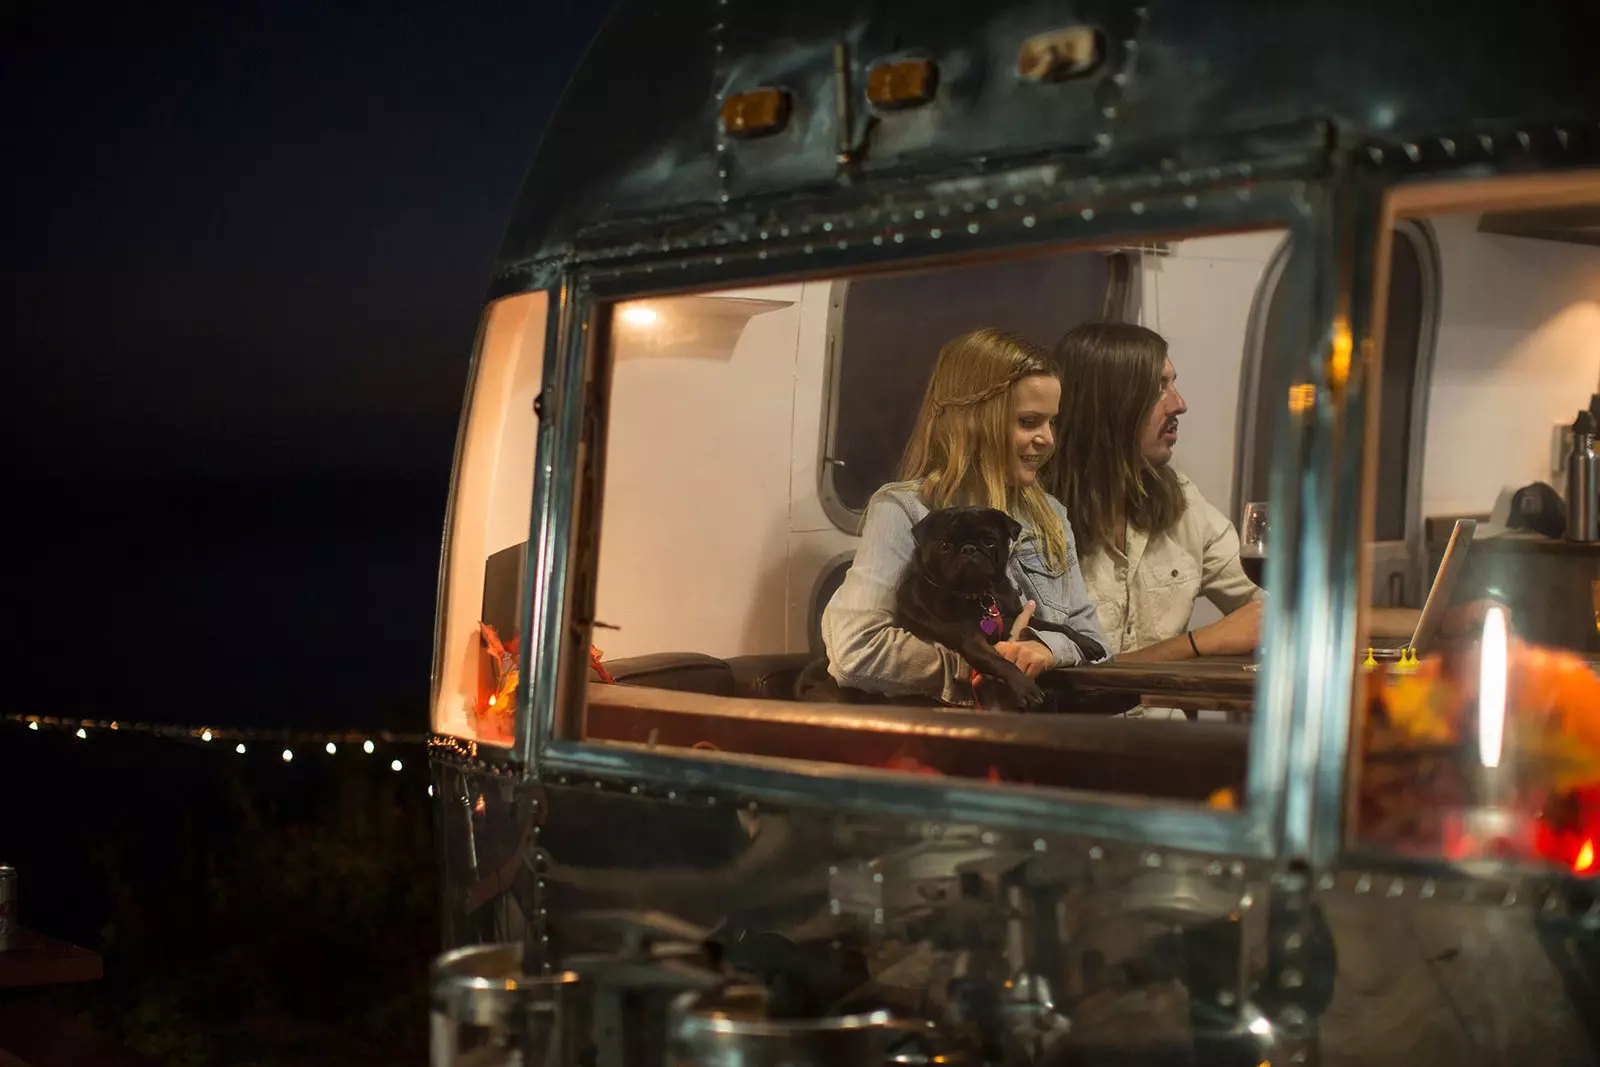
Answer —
(965, 549)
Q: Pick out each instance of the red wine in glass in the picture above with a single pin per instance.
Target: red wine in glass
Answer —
(1254, 566)
(1253, 540)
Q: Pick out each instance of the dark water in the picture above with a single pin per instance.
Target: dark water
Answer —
(269, 603)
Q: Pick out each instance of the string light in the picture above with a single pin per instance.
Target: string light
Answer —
(240, 737)
(430, 790)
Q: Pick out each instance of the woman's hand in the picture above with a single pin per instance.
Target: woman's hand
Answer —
(1232, 635)
(1023, 619)
(1032, 658)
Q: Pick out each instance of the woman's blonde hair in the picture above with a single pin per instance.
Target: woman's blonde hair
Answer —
(961, 448)
(1110, 380)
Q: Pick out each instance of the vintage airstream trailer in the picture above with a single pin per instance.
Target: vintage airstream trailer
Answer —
(1367, 232)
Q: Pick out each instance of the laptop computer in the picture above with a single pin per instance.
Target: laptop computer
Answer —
(1443, 589)
(1440, 595)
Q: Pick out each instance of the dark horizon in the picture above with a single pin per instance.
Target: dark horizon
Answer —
(256, 241)
(244, 289)
(249, 252)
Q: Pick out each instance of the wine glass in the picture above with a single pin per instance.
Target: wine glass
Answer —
(1253, 540)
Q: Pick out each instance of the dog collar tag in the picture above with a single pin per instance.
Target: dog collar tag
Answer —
(991, 618)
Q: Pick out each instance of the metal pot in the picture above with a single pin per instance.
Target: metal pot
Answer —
(486, 1013)
(731, 1028)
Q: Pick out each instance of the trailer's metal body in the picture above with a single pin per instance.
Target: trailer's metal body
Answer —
(1242, 936)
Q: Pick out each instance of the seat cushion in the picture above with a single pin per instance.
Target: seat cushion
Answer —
(689, 672)
(769, 676)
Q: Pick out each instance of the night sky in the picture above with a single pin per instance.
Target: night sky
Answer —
(246, 254)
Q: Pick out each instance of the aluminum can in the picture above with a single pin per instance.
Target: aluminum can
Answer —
(8, 907)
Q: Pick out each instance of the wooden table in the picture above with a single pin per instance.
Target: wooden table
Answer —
(34, 1031)
(1212, 683)
(1179, 761)
(38, 960)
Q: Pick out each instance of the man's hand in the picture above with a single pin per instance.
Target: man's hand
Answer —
(1033, 658)
(1232, 635)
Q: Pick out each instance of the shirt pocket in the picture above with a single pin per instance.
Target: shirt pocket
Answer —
(1039, 579)
(1173, 585)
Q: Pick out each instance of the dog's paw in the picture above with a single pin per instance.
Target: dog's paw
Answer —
(1026, 692)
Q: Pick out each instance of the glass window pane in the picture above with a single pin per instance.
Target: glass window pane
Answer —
(1396, 575)
(1402, 334)
(1480, 738)
(1272, 369)
(480, 627)
(893, 327)
(734, 615)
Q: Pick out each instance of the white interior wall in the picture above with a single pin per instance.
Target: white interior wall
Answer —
(522, 341)
(494, 487)
(694, 538)
(1199, 299)
(1518, 352)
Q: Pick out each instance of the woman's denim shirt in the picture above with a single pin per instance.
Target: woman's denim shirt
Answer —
(866, 650)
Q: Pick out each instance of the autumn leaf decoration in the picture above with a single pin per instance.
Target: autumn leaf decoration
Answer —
(500, 703)
(1422, 733)
(1552, 721)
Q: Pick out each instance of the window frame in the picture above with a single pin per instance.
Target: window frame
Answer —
(1117, 304)
(578, 373)
(1430, 194)
(1410, 552)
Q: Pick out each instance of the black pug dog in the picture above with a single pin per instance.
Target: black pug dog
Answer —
(955, 593)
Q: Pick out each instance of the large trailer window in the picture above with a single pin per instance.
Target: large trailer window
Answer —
(1398, 559)
(885, 331)
(480, 623)
(715, 536)
(1483, 740)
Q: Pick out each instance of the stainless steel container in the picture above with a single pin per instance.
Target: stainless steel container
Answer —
(486, 1013)
(1583, 482)
(8, 907)
(731, 1028)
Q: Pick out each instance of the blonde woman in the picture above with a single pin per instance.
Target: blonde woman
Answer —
(985, 428)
